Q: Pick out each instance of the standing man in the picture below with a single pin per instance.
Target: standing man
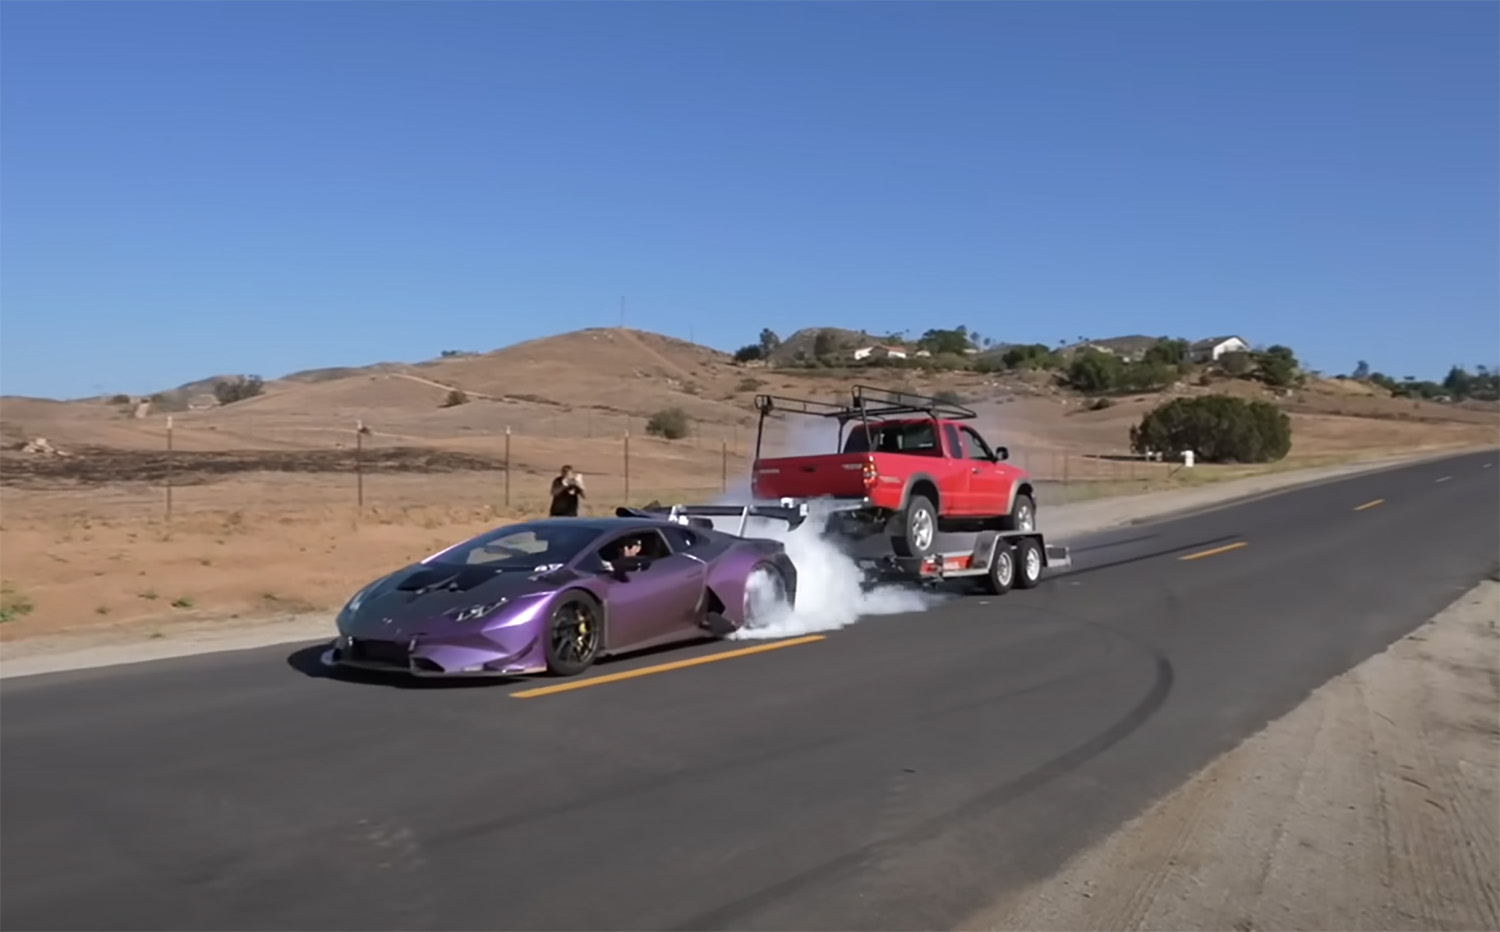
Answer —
(567, 489)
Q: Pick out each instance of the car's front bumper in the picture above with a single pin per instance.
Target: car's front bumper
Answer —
(432, 658)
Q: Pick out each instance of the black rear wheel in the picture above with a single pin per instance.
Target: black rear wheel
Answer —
(575, 629)
(765, 595)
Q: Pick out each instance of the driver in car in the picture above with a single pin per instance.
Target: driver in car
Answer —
(630, 547)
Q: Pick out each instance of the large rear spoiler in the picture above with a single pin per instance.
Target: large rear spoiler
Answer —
(793, 513)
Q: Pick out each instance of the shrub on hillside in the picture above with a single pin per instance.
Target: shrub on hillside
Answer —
(949, 396)
(1094, 372)
(228, 391)
(456, 397)
(1217, 428)
(671, 423)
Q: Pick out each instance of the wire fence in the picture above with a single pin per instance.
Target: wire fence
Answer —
(212, 467)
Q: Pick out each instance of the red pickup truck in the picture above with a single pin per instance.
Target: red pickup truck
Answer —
(907, 466)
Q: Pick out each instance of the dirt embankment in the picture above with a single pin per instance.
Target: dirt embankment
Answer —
(1373, 805)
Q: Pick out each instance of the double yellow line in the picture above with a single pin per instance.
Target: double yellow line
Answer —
(662, 668)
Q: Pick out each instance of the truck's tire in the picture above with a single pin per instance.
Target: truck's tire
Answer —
(914, 530)
(1028, 563)
(1022, 515)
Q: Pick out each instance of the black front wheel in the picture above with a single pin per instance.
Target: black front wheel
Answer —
(575, 629)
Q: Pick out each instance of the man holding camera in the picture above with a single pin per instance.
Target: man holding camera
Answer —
(567, 489)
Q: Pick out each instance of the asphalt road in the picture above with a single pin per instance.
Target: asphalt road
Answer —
(895, 774)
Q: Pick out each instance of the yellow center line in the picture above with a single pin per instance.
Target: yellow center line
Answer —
(1208, 553)
(1377, 501)
(662, 668)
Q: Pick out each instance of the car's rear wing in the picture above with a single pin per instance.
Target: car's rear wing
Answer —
(792, 512)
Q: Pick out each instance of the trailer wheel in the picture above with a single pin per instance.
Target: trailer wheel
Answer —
(914, 531)
(1028, 563)
(1002, 571)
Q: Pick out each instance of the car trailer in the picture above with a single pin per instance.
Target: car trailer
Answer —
(1000, 561)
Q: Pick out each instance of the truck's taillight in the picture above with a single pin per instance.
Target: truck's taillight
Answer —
(869, 472)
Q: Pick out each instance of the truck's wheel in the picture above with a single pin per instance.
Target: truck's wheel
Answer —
(915, 529)
(1002, 573)
(1022, 515)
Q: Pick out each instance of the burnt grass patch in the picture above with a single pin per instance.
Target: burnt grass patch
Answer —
(101, 465)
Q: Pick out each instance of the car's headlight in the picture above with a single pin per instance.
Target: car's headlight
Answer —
(472, 612)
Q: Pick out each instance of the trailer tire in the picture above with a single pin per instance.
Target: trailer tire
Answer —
(1001, 575)
(914, 529)
(1028, 563)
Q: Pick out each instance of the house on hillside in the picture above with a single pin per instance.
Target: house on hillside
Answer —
(1211, 349)
(879, 352)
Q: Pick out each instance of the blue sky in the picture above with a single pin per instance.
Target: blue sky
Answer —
(194, 188)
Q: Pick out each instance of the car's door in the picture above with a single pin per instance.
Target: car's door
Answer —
(990, 482)
(654, 603)
(958, 485)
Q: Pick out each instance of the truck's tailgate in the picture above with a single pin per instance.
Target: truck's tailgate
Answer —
(834, 474)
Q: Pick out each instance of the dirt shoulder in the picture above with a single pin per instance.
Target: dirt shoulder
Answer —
(1373, 805)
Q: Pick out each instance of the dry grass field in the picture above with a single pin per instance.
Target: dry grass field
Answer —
(264, 493)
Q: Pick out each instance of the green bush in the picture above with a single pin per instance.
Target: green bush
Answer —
(671, 423)
(239, 388)
(1217, 428)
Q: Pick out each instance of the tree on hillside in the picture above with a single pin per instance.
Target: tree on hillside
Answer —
(1277, 367)
(1030, 356)
(1093, 371)
(750, 352)
(1362, 371)
(823, 345)
(1237, 364)
(1167, 352)
(228, 391)
(956, 341)
(1217, 428)
(769, 341)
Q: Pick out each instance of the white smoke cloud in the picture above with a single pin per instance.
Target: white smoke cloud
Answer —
(830, 590)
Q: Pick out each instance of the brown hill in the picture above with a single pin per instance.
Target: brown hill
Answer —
(598, 383)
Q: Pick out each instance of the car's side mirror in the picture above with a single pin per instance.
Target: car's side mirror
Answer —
(1002, 453)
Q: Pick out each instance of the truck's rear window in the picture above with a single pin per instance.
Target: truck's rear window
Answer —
(919, 439)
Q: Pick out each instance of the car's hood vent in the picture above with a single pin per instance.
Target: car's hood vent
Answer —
(447, 579)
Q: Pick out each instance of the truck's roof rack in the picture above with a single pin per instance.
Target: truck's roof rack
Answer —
(867, 402)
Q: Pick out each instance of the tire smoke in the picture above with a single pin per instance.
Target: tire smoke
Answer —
(830, 590)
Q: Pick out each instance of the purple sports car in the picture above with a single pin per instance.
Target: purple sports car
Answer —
(556, 594)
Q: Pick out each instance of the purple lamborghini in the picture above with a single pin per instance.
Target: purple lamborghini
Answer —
(555, 595)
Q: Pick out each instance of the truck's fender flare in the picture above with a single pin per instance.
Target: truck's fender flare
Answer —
(1022, 484)
(911, 483)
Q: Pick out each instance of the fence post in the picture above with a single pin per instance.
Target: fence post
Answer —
(169, 467)
(507, 465)
(359, 464)
(627, 466)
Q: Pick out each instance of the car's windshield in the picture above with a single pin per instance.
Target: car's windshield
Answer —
(520, 546)
(914, 437)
